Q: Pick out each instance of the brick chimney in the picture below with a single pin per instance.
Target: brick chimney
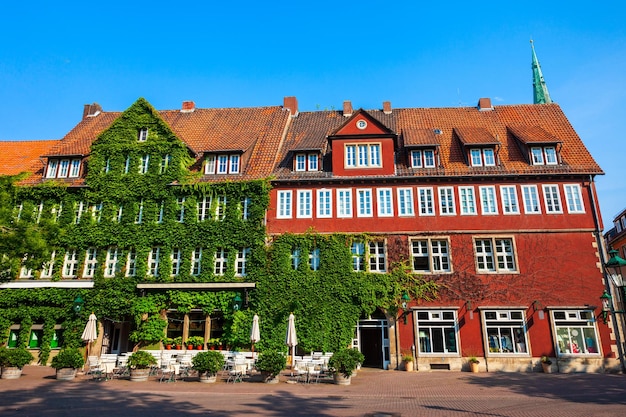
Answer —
(91, 110)
(347, 108)
(291, 104)
(387, 107)
(484, 104)
(188, 107)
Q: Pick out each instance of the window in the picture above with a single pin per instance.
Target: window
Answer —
(203, 208)
(107, 166)
(575, 332)
(64, 168)
(111, 264)
(364, 155)
(358, 256)
(405, 202)
(384, 202)
(39, 209)
(300, 162)
(220, 207)
(364, 203)
(90, 263)
(26, 272)
(284, 205)
(242, 257)
(222, 164)
(117, 216)
(437, 332)
(131, 263)
(53, 165)
(209, 164)
(550, 153)
(96, 212)
(468, 201)
(494, 255)
(324, 203)
(139, 216)
(423, 158)
(75, 168)
(295, 258)
(234, 164)
(46, 271)
(509, 199)
(220, 261)
(543, 155)
(80, 208)
(165, 163)
(142, 135)
(446, 201)
(531, 199)
(304, 204)
(430, 255)
(377, 257)
(143, 164)
(552, 199)
(573, 198)
(153, 261)
(314, 259)
(344, 203)
(488, 200)
(426, 201)
(313, 162)
(70, 264)
(176, 261)
(196, 262)
(127, 165)
(161, 212)
(245, 208)
(180, 212)
(482, 157)
(56, 212)
(506, 331)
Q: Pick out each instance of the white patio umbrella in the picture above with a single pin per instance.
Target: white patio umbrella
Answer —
(90, 333)
(291, 339)
(255, 333)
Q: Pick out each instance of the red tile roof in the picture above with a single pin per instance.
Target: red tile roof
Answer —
(24, 156)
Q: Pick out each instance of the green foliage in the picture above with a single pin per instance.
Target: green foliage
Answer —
(271, 361)
(149, 331)
(15, 357)
(68, 358)
(141, 360)
(344, 362)
(195, 341)
(208, 362)
(177, 341)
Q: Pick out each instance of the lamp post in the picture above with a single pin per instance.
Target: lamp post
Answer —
(78, 304)
(613, 275)
(237, 302)
(405, 301)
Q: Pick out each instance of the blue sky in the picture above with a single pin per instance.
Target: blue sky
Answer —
(57, 56)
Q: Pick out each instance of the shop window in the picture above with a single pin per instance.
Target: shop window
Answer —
(506, 331)
(437, 331)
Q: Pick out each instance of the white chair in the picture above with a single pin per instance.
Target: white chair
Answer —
(95, 367)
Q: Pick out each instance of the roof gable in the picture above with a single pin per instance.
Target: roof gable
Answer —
(361, 123)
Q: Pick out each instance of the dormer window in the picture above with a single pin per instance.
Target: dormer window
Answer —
(63, 168)
(482, 157)
(545, 155)
(142, 136)
(424, 158)
(222, 164)
(306, 162)
(366, 155)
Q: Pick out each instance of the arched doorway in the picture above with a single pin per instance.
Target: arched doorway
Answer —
(372, 339)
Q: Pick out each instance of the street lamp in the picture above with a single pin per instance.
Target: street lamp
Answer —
(614, 268)
(405, 300)
(78, 304)
(606, 305)
(237, 302)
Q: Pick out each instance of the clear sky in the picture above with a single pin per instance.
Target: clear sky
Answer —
(57, 56)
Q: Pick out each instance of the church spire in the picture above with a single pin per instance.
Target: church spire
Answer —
(540, 89)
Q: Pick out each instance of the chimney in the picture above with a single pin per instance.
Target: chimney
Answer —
(188, 107)
(91, 110)
(387, 107)
(291, 104)
(484, 104)
(347, 108)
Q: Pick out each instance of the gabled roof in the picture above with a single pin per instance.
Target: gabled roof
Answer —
(475, 136)
(533, 135)
(420, 137)
(24, 156)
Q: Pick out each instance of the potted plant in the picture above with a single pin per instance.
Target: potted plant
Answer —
(168, 342)
(407, 359)
(13, 360)
(140, 363)
(342, 364)
(214, 343)
(270, 364)
(66, 362)
(546, 364)
(358, 357)
(208, 364)
(178, 342)
(473, 363)
(195, 342)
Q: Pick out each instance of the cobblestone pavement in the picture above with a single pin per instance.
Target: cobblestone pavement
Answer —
(373, 393)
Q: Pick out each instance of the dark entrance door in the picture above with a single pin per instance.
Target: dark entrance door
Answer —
(372, 346)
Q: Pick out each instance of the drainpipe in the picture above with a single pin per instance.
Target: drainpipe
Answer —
(607, 280)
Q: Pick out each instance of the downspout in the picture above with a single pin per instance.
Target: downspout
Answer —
(607, 282)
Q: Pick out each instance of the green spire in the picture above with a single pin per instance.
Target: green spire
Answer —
(540, 89)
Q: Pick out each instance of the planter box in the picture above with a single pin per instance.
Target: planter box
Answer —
(340, 379)
(11, 372)
(208, 378)
(139, 375)
(66, 374)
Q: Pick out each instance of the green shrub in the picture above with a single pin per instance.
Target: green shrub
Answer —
(195, 341)
(209, 362)
(15, 357)
(345, 362)
(271, 362)
(141, 360)
(68, 358)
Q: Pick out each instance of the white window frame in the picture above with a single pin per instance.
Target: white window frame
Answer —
(111, 264)
(64, 168)
(81, 208)
(344, 202)
(75, 168)
(196, 262)
(144, 164)
(405, 202)
(203, 207)
(209, 164)
(324, 206)
(482, 157)
(220, 261)
(70, 264)
(495, 258)
(222, 164)
(304, 204)
(377, 258)
(364, 202)
(240, 263)
(52, 169)
(426, 200)
(488, 200)
(165, 163)
(220, 207)
(142, 135)
(357, 249)
(510, 203)
(447, 206)
(437, 325)
(552, 199)
(314, 259)
(573, 330)
(153, 261)
(532, 203)
(300, 162)
(180, 212)
(296, 254)
(313, 162)
(131, 263)
(435, 249)
(47, 267)
(91, 262)
(573, 198)
(551, 156)
(176, 259)
(245, 208)
(127, 164)
(505, 332)
(285, 202)
(161, 212)
(363, 155)
(139, 216)
(234, 165)
(384, 202)
(467, 201)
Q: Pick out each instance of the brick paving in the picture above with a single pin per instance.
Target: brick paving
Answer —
(373, 393)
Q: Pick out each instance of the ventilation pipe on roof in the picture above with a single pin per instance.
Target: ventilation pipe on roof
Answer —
(291, 104)
(188, 107)
(91, 110)
(484, 104)
(387, 107)
(347, 108)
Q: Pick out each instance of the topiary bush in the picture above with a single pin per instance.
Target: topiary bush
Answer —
(141, 360)
(271, 362)
(210, 362)
(68, 358)
(15, 357)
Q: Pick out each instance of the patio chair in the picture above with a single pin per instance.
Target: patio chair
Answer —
(96, 369)
(237, 372)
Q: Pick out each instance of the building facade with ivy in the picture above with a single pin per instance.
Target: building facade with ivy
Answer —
(440, 233)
